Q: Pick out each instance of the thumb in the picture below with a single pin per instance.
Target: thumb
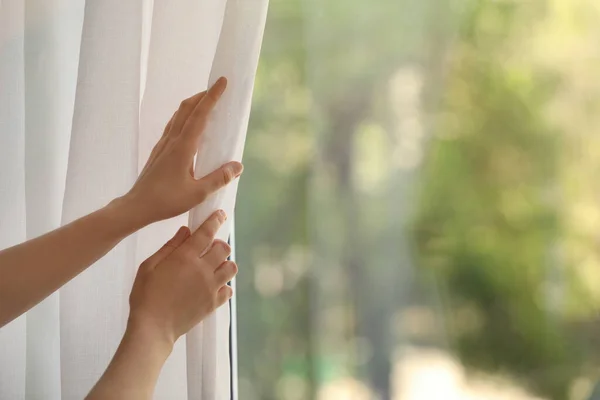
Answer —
(181, 236)
(217, 180)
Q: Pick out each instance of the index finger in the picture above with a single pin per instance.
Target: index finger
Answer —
(186, 108)
(203, 237)
(195, 124)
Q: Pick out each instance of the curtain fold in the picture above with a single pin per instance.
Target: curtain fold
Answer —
(183, 39)
(51, 60)
(236, 58)
(12, 181)
(102, 166)
(86, 88)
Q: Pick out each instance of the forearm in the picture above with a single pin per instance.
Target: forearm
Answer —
(33, 270)
(134, 370)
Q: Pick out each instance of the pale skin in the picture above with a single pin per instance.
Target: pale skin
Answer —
(174, 289)
(165, 304)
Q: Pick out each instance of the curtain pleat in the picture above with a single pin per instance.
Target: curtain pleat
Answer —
(102, 166)
(236, 58)
(182, 45)
(12, 181)
(52, 40)
(86, 88)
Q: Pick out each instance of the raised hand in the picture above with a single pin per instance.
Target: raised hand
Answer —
(167, 187)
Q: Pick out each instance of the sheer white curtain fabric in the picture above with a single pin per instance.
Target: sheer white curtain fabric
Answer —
(86, 87)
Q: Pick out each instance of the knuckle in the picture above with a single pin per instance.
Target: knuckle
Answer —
(226, 175)
(190, 258)
(224, 247)
(212, 98)
(186, 256)
(206, 234)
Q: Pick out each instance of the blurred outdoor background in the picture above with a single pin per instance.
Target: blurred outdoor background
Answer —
(420, 212)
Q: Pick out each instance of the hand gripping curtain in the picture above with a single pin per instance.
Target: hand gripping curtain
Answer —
(86, 87)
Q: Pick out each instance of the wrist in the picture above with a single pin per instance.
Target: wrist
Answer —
(143, 330)
(128, 213)
(135, 367)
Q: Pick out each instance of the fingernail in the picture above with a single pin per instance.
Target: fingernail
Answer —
(222, 215)
(236, 168)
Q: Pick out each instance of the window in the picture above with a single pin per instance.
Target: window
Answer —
(419, 216)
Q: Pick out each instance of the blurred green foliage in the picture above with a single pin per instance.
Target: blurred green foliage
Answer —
(405, 155)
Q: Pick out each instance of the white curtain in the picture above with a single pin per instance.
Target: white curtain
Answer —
(86, 87)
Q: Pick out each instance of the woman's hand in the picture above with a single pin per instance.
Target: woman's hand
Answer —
(174, 289)
(183, 282)
(167, 187)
